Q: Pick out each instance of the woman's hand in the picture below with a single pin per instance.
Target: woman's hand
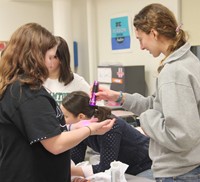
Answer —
(107, 94)
(100, 128)
(83, 123)
(96, 128)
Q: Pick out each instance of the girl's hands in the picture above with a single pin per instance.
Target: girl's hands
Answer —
(100, 128)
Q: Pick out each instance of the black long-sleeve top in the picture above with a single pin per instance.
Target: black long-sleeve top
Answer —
(122, 143)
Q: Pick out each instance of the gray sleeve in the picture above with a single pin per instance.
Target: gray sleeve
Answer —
(176, 124)
(137, 103)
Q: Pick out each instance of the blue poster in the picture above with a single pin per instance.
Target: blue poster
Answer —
(120, 33)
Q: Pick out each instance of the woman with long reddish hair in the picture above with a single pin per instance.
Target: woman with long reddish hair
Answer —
(34, 141)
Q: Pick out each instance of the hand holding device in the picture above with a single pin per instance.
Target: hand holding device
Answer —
(95, 89)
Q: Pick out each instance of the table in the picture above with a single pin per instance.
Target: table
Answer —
(128, 116)
(122, 113)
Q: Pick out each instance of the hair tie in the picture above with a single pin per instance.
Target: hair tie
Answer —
(96, 111)
(179, 27)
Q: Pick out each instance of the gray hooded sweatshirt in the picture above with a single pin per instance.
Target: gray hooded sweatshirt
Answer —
(171, 117)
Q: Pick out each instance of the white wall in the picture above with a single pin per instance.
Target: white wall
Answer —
(14, 14)
(190, 18)
(91, 29)
(79, 26)
(85, 33)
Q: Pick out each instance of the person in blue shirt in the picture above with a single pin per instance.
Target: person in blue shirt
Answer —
(122, 143)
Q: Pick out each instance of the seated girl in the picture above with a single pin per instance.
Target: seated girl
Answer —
(122, 143)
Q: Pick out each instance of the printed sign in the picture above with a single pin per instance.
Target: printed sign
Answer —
(120, 34)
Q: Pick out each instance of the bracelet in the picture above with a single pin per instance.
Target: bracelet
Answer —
(89, 129)
(120, 97)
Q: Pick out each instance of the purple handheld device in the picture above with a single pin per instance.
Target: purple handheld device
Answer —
(95, 89)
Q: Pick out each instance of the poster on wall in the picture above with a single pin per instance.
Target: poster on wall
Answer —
(120, 33)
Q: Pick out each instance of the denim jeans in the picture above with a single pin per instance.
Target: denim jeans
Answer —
(146, 174)
(192, 176)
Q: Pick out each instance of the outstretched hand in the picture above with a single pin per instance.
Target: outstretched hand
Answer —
(100, 128)
(106, 94)
(97, 128)
(84, 123)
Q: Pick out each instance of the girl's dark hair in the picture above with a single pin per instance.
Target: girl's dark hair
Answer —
(66, 74)
(160, 18)
(23, 58)
(78, 102)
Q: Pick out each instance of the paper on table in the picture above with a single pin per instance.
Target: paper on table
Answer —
(106, 176)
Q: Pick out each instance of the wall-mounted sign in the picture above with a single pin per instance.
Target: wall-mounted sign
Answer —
(120, 33)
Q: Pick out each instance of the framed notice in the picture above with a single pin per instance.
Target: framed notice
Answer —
(120, 33)
(104, 74)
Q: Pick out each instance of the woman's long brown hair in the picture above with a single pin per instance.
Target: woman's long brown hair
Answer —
(24, 55)
(158, 17)
(63, 54)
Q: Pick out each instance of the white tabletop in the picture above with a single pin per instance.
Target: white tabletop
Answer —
(122, 113)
